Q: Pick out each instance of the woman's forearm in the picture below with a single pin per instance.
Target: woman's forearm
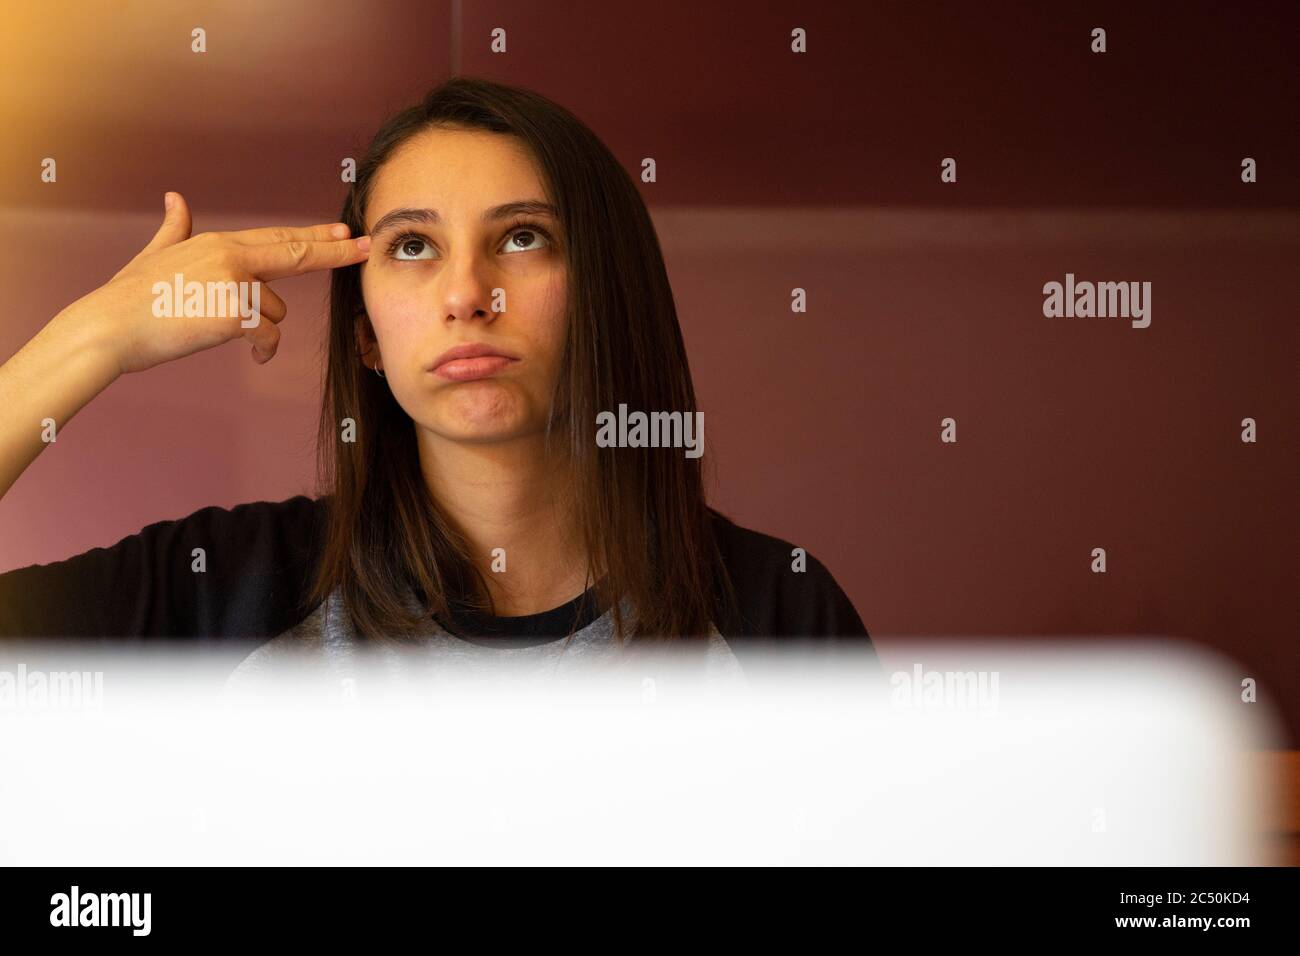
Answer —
(45, 384)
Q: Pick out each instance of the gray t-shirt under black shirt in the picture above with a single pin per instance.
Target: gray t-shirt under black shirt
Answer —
(326, 645)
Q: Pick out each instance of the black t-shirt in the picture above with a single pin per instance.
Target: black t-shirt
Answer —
(258, 561)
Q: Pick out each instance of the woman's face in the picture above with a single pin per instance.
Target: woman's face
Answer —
(455, 262)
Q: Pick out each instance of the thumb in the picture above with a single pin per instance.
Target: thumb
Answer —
(176, 224)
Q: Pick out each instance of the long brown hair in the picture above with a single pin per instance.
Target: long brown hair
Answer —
(642, 511)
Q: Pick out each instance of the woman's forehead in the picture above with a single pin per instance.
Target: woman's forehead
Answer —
(457, 172)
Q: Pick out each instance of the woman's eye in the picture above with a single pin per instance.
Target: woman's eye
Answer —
(413, 248)
(523, 240)
(409, 247)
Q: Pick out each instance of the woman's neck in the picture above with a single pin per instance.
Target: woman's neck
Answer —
(511, 496)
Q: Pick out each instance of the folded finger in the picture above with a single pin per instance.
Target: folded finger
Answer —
(265, 337)
(270, 305)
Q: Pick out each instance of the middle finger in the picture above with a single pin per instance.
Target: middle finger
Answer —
(322, 232)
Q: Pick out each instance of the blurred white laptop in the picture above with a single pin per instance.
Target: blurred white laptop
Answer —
(1099, 752)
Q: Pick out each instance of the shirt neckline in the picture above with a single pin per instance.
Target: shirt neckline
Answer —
(525, 630)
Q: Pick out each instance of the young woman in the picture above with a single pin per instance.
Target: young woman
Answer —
(507, 289)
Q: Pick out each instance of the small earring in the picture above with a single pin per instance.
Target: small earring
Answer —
(380, 372)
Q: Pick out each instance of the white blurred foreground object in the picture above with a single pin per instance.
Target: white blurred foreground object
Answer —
(1125, 755)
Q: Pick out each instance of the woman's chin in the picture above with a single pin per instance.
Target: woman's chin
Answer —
(481, 414)
(479, 434)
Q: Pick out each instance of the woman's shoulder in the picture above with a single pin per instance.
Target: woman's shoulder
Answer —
(259, 539)
(217, 571)
(297, 512)
(261, 558)
(782, 590)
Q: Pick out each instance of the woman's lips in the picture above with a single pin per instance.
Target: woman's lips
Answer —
(470, 360)
(468, 369)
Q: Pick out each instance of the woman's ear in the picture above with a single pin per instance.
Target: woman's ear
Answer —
(366, 341)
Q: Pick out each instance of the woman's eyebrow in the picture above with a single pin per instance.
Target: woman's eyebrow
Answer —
(430, 217)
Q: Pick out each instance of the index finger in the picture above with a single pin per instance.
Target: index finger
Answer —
(322, 232)
(275, 260)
